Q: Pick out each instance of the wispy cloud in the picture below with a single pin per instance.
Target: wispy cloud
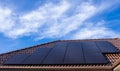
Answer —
(94, 30)
(56, 20)
(6, 20)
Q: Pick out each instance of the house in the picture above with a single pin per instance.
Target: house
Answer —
(65, 55)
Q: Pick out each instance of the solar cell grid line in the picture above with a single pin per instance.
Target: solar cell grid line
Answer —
(106, 47)
(74, 54)
(92, 54)
(38, 56)
(56, 55)
(16, 59)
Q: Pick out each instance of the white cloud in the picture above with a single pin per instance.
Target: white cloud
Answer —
(68, 24)
(6, 21)
(53, 21)
(33, 21)
(92, 30)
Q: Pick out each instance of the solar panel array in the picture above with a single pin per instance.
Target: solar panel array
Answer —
(67, 53)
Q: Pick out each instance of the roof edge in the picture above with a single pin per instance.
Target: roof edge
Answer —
(53, 67)
(92, 39)
(29, 47)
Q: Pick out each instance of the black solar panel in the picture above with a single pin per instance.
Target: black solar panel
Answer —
(95, 58)
(56, 55)
(106, 47)
(38, 56)
(74, 54)
(90, 47)
(92, 53)
(17, 59)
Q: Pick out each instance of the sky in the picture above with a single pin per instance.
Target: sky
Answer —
(25, 23)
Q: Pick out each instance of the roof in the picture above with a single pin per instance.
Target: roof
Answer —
(113, 58)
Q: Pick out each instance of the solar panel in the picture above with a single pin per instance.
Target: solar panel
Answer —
(74, 54)
(106, 47)
(95, 58)
(92, 53)
(90, 47)
(17, 59)
(38, 56)
(56, 55)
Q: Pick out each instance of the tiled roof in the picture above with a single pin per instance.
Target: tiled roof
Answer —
(113, 58)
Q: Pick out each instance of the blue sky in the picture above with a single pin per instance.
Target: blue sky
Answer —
(25, 23)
